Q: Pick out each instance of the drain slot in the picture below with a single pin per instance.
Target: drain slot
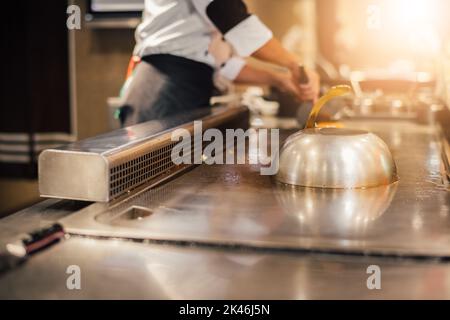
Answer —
(135, 213)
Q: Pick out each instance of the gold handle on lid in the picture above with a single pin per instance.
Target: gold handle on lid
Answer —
(334, 92)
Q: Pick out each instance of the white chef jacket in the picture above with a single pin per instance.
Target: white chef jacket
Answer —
(189, 28)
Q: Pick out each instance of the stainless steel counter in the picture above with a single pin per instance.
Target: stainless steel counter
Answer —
(236, 234)
(235, 205)
(114, 269)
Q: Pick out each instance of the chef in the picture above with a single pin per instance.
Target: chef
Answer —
(182, 44)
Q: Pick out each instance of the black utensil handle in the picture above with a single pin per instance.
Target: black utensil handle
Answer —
(303, 76)
(43, 238)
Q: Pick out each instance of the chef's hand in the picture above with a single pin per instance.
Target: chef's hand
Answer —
(285, 82)
(309, 91)
(275, 53)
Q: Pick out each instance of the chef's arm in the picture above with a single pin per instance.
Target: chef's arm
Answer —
(249, 36)
(273, 52)
(244, 31)
(237, 70)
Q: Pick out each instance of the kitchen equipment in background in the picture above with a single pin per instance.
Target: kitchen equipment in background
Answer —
(116, 6)
(333, 157)
(391, 93)
(253, 98)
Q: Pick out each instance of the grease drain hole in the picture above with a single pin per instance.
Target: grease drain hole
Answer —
(135, 213)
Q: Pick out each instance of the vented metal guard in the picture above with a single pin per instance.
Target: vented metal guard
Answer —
(138, 169)
(108, 166)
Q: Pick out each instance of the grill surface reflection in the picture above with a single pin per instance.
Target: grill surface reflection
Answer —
(344, 213)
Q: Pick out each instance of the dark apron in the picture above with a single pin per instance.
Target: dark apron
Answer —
(164, 85)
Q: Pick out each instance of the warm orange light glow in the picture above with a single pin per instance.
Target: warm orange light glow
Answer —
(419, 20)
(414, 13)
(379, 33)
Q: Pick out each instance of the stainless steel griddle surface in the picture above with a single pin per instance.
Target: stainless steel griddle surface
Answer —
(235, 205)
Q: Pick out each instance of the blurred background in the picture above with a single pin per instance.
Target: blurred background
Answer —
(61, 85)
